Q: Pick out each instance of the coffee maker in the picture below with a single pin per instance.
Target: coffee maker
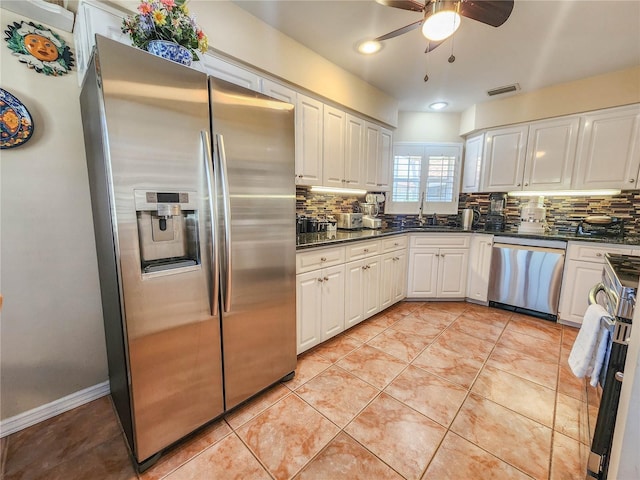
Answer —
(496, 219)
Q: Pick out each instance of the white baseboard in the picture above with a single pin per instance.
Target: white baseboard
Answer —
(31, 417)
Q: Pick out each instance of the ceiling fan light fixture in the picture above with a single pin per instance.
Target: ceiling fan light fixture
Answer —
(443, 21)
(369, 47)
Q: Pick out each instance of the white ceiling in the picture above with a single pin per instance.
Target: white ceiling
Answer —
(542, 43)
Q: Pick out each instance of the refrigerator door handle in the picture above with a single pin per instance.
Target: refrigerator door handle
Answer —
(215, 271)
(224, 184)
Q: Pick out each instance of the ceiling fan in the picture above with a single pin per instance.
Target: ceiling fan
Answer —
(442, 17)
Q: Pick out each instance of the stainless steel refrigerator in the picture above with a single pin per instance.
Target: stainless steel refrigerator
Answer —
(193, 196)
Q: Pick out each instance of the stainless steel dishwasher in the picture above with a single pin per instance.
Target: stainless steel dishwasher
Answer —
(526, 274)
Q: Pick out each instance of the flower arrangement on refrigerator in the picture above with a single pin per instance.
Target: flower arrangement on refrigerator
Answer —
(165, 20)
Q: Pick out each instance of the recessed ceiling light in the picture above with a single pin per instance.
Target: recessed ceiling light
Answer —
(438, 105)
(369, 47)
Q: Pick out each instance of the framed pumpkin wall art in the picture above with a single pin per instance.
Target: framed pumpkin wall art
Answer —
(39, 47)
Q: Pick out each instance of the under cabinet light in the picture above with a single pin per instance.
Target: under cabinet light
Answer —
(563, 193)
(344, 191)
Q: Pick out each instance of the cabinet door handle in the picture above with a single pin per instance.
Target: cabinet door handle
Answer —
(366, 250)
(526, 184)
(598, 254)
(517, 184)
(323, 259)
(442, 255)
(320, 280)
(326, 279)
(396, 244)
(364, 267)
(437, 254)
(632, 180)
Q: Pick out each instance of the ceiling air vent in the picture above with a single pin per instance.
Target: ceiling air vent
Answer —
(505, 89)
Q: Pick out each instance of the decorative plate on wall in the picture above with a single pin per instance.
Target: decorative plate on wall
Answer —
(16, 125)
(39, 48)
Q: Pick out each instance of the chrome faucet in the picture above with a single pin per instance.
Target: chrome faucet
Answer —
(421, 219)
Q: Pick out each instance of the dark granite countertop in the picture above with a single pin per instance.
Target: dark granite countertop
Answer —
(313, 240)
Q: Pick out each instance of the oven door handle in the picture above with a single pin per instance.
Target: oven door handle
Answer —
(593, 293)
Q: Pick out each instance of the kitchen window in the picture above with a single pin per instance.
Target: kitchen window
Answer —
(425, 168)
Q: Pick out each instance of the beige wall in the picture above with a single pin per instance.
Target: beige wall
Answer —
(428, 127)
(51, 333)
(238, 34)
(593, 93)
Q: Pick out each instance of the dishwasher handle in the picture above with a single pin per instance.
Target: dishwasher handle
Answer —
(511, 246)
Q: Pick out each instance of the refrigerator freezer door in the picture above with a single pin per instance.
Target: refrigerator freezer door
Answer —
(254, 138)
(153, 114)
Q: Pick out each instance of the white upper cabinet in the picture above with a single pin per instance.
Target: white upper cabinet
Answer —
(333, 147)
(608, 152)
(231, 73)
(279, 91)
(357, 153)
(536, 156)
(95, 18)
(551, 150)
(385, 160)
(504, 153)
(371, 155)
(354, 152)
(309, 140)
(472, 164)
(378, 150)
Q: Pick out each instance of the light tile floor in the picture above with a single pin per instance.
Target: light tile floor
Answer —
(424, 390)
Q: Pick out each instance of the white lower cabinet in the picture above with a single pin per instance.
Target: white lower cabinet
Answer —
(582, 270)
(393, 278)
(338, 287)
(479, 268)
(438, 266)
(320, 305)
(362, 290)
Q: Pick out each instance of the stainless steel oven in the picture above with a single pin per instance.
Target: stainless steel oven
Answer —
(617, 293)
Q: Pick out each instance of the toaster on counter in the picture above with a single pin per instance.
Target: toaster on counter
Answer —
(350, 221)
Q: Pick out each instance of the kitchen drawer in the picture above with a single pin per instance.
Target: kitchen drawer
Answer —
(439, 240)
(319, 258)
(359, 250)
(396, 242)
(594, 252)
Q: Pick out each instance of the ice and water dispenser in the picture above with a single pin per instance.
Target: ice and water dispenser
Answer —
(167, 230)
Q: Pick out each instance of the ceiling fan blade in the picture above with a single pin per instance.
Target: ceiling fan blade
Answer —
(413, 5)
(400, 31)
(493, 13)
(432, 45)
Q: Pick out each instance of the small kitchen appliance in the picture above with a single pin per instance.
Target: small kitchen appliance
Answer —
(470, 218)
(496, 218)
(532, 217)
(350, 221)
(370, 213)
(601, 226)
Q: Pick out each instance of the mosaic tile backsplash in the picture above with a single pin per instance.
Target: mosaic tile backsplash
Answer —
(563, 213)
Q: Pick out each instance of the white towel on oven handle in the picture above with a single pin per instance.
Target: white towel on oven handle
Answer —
(583, 353)
(601, 353)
